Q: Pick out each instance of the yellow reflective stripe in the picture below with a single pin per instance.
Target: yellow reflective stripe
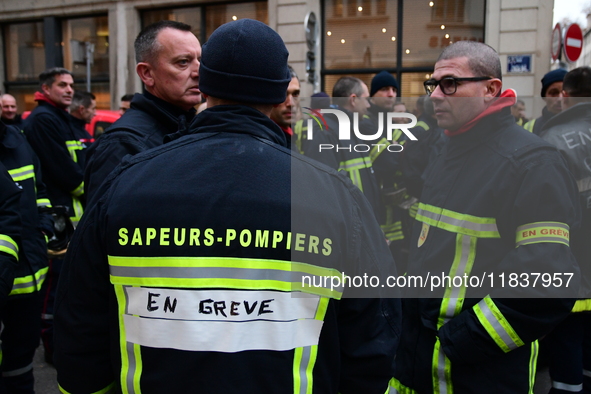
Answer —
(396, 135)
(43, 202)
(30, 283)
(539, 232)
(529, 126)
(297, 131)
(355, 164)
(225, 272)
(393, 232)
(131, 364)
(377, 150)
(73, 146)
(458, 222)
(533, 361)
(414, 208)
(582, 306)
(22, 173)
(7, 245)
(78, 211)
(496, 325)
(395, 387)
(422, 124)
(442, 383)
(453, 297)
(79, 190)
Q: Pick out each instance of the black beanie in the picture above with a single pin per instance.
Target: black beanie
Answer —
(551, 77)
(245, 61)
(381, 80)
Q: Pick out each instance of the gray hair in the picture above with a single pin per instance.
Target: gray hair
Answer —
(146, 44)
(346, 86)
(81, 98)
(483, 60)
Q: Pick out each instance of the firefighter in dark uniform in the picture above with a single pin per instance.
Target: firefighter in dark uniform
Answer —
(497, 199)
(10, 232)
(569, 344)
(21, 316)
(189, 274)
(61, 149)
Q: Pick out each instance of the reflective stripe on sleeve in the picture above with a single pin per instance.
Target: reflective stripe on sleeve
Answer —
(22, 173)
(378, 148)
(571, 388)
(7, 245)
(30, 283)
(496, 325)
(539, 232)
(223, 272)
(458, 222)
(43, 203)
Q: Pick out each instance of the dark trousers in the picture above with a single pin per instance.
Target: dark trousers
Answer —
(48, 291)
(569, 348)
(20, 338)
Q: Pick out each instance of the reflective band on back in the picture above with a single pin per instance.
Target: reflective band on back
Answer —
(7, 245)
(20, 174)
(496, 325)
(44, 202)
(571, 388)
(458, 222)
(233, 273)
(586, 373)
(542, 232)
(441, 371)
(17, 372)
(302, 363)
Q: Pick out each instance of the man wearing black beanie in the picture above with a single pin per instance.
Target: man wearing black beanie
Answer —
(552, 95)
(188, 275)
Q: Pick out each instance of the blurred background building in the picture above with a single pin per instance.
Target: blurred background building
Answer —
(342, 37)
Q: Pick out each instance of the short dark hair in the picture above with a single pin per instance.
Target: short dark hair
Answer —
(292, 73)
(346, 86)
(47, 77)
(127, 97)
(81, 98)
(483, 60)
(146, 44)
(577, 82)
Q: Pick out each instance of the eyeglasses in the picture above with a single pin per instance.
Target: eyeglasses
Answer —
(449, 85)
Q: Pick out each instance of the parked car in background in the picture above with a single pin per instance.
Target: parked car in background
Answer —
(103, 119)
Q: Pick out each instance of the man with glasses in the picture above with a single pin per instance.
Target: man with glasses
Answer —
(496, 201)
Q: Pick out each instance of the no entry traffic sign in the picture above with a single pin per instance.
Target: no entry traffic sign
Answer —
(573, 42)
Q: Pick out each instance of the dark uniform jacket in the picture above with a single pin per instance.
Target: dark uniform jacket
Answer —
(497, 200)
(24, 168)
(58, 145)
(187, 273)
(343, 157)
(16, 121)
(142, 127)
(10, 231)
(570, 132)
(536, 125)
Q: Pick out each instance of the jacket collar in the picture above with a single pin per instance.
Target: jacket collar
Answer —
(577, 111)
(238, 119)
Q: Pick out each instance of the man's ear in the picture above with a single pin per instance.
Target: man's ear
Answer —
(45, 89)
(144, 71)
(351, 100)
(494, 87)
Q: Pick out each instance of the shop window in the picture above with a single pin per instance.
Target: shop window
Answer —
(25, 51)
(76, 33)
(364, 38)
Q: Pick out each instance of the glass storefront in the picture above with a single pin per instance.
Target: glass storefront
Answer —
(363, 36)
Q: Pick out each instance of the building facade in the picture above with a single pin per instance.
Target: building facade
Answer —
(349, 37)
